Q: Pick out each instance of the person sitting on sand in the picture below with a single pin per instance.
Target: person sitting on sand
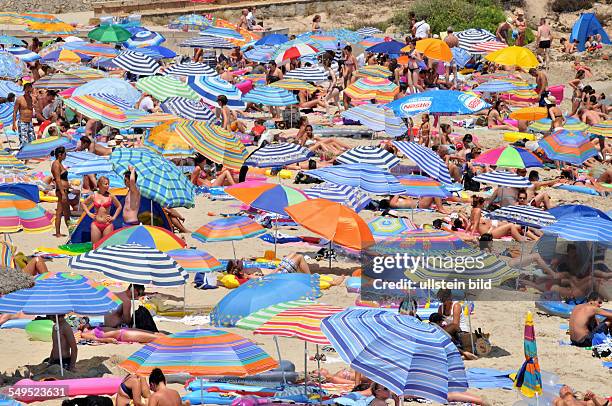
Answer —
(498, 229)
(293, 263)
(176, 219)
(308, 101)
(242, 274)
(495, 120)
(202, 174)
(86, 144)
(103, 200)
(382, 396)
(452, 312)
(436, 319)
(229, 120)
(534, 197)
(69, 349)
(321, 145)
(162, 395)
(405, 202)
(131, 391)
(113, 335)
(122, 316)
(567, 397)
(583, 323)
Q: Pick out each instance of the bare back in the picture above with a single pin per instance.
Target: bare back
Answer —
(581, 317)
(165, 397)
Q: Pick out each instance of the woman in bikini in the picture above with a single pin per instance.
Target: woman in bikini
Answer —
(62, 187)
(316, 24)
(202, 175)
(111, 335)
(413, 67)
(320, 145)
(554, 113)
(577, 86)
(350, 65)
(103, 200)
(480, 225)
(495, 120)
(131, 391)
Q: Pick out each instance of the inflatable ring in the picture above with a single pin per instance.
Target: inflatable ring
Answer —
(39, 330)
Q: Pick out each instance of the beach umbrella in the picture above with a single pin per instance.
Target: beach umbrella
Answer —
(344, 34)
(97, 108)
(349, 196)
(205, 352)
(369, 178)
(418, 241)
(207, 42)
(76, 157)
(374, 71)
(461, 57)
(58, 81)
(152, 120)
(10, 40)
(156, 52)
(9, 162)
(433, 48)
(426, 159)
(527, 216)
(294, 52)
(370, 155)
(571, 124)
(370, 41)
(144, 38)
(422, 186)
(148, 236)
(114, 100)
(258, 294)
(272, 39)
(438, 102)
(568, 146)
(387, 47)
(6, 114)
(270, 96)
(278, 155)
(384, 227)
(51, 28)
(259, 317)
(20, 214)
(214, 142)
(261, 53)
(273, 198)
(209, 88)
(228, 229)
(117, 87)
(94, 50)
(158, 179)
(377, 118)
(100, 166)
(86, 73)
(514, 56)
(488, 47)
(370, 88)
(109, 33)
(190, 21)
(163, 87)
(312, 74)
(193, 260)
(496, 86)
(509, 157)
(581, 229)
(187, 108)
(403, 354)
(7, 87)
(530, 113)
(221, 32)
(503, 178)
(164, 140)
(10, 66)
(190, 69)
(65, 55)
(328, 42)
(294, 84)
(368, 31)
(42, 147)
(136, 63)
(23, 54)
(577, 210)
(604, 129)
(468, 39)
(529, 377)
(333, 221)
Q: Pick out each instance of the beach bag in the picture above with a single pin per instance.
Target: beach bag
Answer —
(144, 320)
(204, 280)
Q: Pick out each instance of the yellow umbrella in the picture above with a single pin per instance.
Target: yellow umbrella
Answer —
(294, 84)
(514, 56)
(165, 140)
(46, 27)
(433, 48)
(529, 113)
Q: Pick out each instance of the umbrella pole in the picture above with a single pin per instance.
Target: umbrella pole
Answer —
(234, 249)
(280, 360)
(184, 299)
(151, 211)
(133, 310)
(330, 254)
(319, 371)
(59, 344)
(306, 369)
(275, 235)
(470, 327)
(201, 390)
(521, 260)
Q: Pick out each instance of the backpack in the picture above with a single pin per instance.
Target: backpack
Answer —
(144, 320)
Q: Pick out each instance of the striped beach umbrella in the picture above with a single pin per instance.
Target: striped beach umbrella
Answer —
(41, 148)
(117, 87)
(137, 63)
(221, 32)
(109, 33)
(190, 21)
(158, 179)
(295, 51)
(312, 74)
(377, 118)
(214, 142)
(527, 216)
(94, 50)
(144, 38)
(207, 42)
(164, 140)
(399, 352)
(420, 241)
(370, 41)
(487, 47)
(20, 214)
(6, 114)
(270, 96)
(368, 31)
(148, 236)
(438, 102)
(427, 160)
(261, 53)
(205, 352)
(568, 146)
(131, 263)
(366, 177)
(211, 87)
(100, 166)
(99, 109)
(152, 120)
(273, 198)
(503, 178)
(369, 155)
(581, 229)
(163, 87)
(374, 71)
(193, 260)
(10, 66)
(190, 69)
(187, 108)
(328, 42)
(372, 88)
(66, 55)
(10, 40)
(468, 39)
(348, 196)
(23, 54)
(9, 162)
(228, 229)
(509, 157)
(278, 155)
(294, 84)
(384, 227)
(496, 86)
(59, 81)
(259, 317)
(156, 52)
(114, 100)
(422, 186)
(571, 124)
(604, 129)
(529, 377)
(7, 87)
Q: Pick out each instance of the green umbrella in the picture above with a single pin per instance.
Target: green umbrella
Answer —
(109, 33)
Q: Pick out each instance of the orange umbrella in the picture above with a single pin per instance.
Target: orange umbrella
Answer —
(332, 221)
(433, 48)
(529, 113)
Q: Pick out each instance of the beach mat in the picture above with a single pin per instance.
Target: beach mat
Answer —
(489, 378)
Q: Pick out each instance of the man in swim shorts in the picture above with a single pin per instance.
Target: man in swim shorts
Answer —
(583, 323)
(122, 317)
(24, 126)
(132, 198)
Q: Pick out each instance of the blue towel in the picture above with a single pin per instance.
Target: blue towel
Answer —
(486, 378)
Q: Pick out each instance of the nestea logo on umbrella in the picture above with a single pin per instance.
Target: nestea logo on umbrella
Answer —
(472, 102)
(417, 105)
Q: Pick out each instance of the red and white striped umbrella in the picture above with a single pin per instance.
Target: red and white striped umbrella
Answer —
(296, 51)
(489, 46)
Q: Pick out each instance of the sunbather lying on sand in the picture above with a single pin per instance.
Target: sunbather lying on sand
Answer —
(115, 335)
(567, 397)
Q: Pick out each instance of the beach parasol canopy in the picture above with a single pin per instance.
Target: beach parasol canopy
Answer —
(387, 47)
(87, 48)
(375, 71)
(272, 39)
(496, 86)
(488, 47)
(577, 210)
(333, 221)
(9, 162)
(377, 118)
(228, 229)
(470, 38)
(509, 157)
(148, 236)
(117, 87)
(109, 33)
(527, 216)
(403, 354)
(207, 42)
(270, 96)
(260, 53)
(221, 32)
(370, 155)
(65, 55)
(190, 21)
(211, 87)
(257, 318)
(294, 52)
(59, 81)
(571, 124)
(10, 66)
(42, 148)
(294, 84)
(426, 159)
(273, 198)
(193, 260)
(190, 69)
(581, 229)
(368, 31)
(433, 48)
(349, 196)
(94, 107)
(419, 241)
(205, 352)
(275, 155)
(136, 63)
(10, 40)
(132, 263)
(163, 87)
(258, 294)
(438, 102)
(385, 227)
(312, 74)
(604, 129)
(187, 108)
(369, 178)
(20, 214)
(568, 146)
(529, 113)
(422, 186)
(529, 377)
(164, 140)
(514, 56)
(371, 88)
(23, 54)
(503, 178)
(7, 87)
(144, 38)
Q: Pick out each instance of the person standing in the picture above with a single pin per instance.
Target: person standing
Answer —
(421, 29)
(131, 205)
(544, 40)
(24, 106)
(521, 26)
(162, 395)
(541, 84)
(451, 39)
(62, 187)
(503, 29)
(316, 24)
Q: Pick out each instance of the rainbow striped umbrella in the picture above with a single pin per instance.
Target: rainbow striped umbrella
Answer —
(99, 109)
(153, 120)
(302, 322)
(422, 186)
(147, 236)
(568, 146)
(374, 71)
(59, 81)
(8, 161)
(17, 213)
(228, 229)
(205, 352)
(259, 317)
(164, 140)
(571, 124)
(42, 148)
(509, 157)
(193, 260)
(529, 378)
(604, 129)
(163, 87)
(368, 88)
(294, 84)
(419, 241)
(269, 197)
(214, 142)
(87, 48)
(384, 227)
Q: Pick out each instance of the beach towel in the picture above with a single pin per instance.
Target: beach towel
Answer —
(488, 378)
(281, 238)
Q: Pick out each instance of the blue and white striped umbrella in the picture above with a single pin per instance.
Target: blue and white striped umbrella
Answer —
(6, 87)
(469, 38)
(426, 159)
(10, 40)
(136, 63)
(368, 31)
(76, 157)
(187, 108)
(270, 96)
(221, 32)
(207, 42)
(582, 229)
(278, 155)
(377, 118)
(112, 99)
(144, 38)
(527, 216)
(369, 155)
(155, 52)
(24, 54)
(210, 87)
(100, 166)
(190, 69)
(399, 352)
(503, 178)
(496, 86)
(346, 195)
(6, 114)
(366, 177)
(61, 293)
(132, 263)
(261, 54)
(313, 74)
(460, 56)
(10, 66)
